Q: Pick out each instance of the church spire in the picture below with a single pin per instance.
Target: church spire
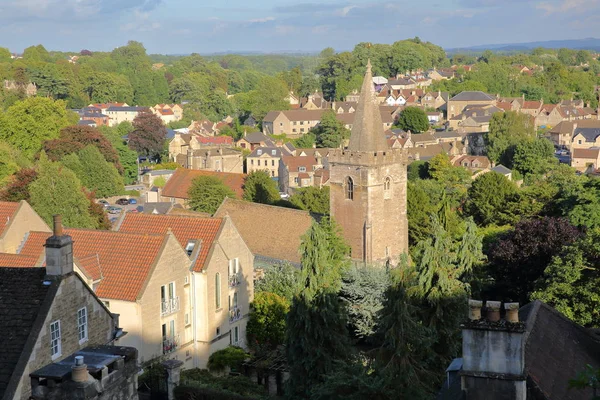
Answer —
(367, 130)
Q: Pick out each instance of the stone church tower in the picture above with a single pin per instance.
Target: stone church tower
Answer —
(368, 186)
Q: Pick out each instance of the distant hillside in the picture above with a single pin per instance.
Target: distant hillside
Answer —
(587, 44)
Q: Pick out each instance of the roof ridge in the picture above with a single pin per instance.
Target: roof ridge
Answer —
(264, 206)
(101, 231)
(174, 216)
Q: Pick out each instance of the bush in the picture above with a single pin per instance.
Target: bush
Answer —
(231, 357)
(199, 384)
(132, 193)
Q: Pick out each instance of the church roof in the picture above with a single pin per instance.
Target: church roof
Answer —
(367, 131)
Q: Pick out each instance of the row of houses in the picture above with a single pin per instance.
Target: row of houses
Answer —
(112, 114)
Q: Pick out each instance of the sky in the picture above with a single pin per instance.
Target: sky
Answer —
(208, 26)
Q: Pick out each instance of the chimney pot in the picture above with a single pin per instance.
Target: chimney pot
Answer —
(58, 228)
(79, 373)
(512, 312)
(78, 360)
(475, 309)
(493, 310)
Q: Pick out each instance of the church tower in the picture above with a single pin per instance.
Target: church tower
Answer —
(368, 186)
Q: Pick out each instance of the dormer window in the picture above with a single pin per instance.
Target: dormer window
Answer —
(189, 247)
(259, 152)
(273, 152)
(301, 169)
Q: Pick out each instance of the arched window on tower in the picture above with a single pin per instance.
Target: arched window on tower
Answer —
(387, 188)
(349, 188)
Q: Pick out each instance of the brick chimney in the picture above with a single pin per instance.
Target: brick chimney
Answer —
(59, 251)
(493, 353)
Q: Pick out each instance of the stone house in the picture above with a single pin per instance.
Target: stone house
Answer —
(585, 159)
(52, 313)
(458, 103)
(168, 112)
(576, 134)
(219, 159)
(296, 171)
(292, 99)
(145, 279)
(176, 189)
(252, 140)
(18, 219)
(220, 280)
(93, 114)
(182, 142)
(314, 101)
(266, 159)
(532, 108)
(291, 122)
(279, 243)
(472, 163)
(118, 114)
(434, 100)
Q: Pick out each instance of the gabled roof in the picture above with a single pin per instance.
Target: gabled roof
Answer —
(23, 299)
(586, 153)
(255, 137)
(178, 185)
(270, 151)
(294, 162)
(472, 96)
(18, 260)
(185, 228)
(7, 213)
(501, 169)
(531, 105)
(269, 231)
(125, 259)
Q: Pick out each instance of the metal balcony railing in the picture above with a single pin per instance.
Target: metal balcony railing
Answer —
(169, 306)
(170, 344)
(235, 314)
(235, 279)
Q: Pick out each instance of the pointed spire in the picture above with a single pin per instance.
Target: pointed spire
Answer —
(367, 130)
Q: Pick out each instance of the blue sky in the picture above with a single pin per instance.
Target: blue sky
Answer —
(204, 26)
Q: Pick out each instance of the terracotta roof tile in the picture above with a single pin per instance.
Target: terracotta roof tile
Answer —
(90, 266)
(586, 153)
(126, 259)
(18, 260)
(7, 212)
(532, 105)
(178, 185)
(185, 228)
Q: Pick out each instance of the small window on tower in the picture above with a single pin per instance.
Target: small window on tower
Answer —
(387, 185)
(349, 188)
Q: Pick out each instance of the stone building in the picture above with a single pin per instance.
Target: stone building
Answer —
(18, 219)
(368, 187)
(47, 314)
(218, 159)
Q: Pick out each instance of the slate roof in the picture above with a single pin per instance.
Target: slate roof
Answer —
(161, 207)
(185, 228)
(279, 152)
(125, 259)
(472, 96)
(269, 231)
(501, 169)
(590, 134)
(178, 185)
(256, 137)
(23, 299)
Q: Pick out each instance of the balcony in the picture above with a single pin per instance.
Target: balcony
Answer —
(235, 314)
(170, 344)
(169, 306)
(235, 280)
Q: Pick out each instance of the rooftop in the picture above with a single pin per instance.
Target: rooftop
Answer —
(178, 185)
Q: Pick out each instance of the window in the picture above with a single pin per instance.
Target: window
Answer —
(55, 345)
(301, 169)
(301, 129)
(273, 152)
(218, 331)
(236, 334)
(187, 319)
(235, 300)
(281, 124)
(259, 152)
(251, 162)
(349, 188)
(218, 290)
(189, 247)
(296, 179)
(301, 122)
(579, 141)
(272, 163)
(294, 130)
(258, 162)
(82, 326)
(272, 174)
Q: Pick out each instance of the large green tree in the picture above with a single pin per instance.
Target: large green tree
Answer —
(534, 157)
(148, 136)
(281, 279)
(266, 327)
(330, 132)
(313, 199)
(491, 199)
(260, 188)
(207, 193)
(413, 119)
(507, 130)
(28, 123)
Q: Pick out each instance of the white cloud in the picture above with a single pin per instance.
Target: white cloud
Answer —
(261, 20)
(562, 6)
(342, 12)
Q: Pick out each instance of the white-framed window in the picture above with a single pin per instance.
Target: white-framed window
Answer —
(189, 247)
(55, 340)
(301, 169)
(82, 325)
(234, 266)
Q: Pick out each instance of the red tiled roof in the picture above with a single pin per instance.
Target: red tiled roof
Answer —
(126, 259)
(294, 162)
(7, 211)
(532, 105)
(586, 153)
(166, 111)
(90, 266)
(18, 260)
(185, 228)
(215, 139)
(178, 185)
(505, 105)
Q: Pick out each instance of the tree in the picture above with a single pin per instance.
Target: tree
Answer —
(520, 256)
(260, 188)
(5, 55)
(489, 199)
(266, 327)
(97, 212)
(330, 132)
(11, 161)
(362, 293)
(313, 199)
(28, 123)
(418, 169)
(280, 279)
(507, 130)
(413, 119)
(17, 187)
(148, 136)
(534, 157)
(453, 178)
(127, 157)
(207, 192)
(95, 173)
(306, 141)
(230, 357)
(57, 190)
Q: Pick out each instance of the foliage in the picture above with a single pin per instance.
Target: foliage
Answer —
(313, 199)
(280, 279)
(207, 192)
(491, 199)
(95, 172)
(588, 378)
(330, 132)
(11, 161)
(520, 256)
(57, 190)
(198, 384)
(97, 212)
(362, 293)
(266, 327)
(306, 141)
(534, 157)
(127, 157)
(418, 170)
(579, 200)
(160, 182)
(453, 178)
(17, 187)
(230, 357)
(260, 188)
(507, 130)
(28, 123)
(148, 136)
(413, 119)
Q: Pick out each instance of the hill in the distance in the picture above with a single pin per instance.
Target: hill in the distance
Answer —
(586, 44)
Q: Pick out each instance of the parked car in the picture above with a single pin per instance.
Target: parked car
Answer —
(132, 201)
(122, 202)
(113, 209)
(103, 202)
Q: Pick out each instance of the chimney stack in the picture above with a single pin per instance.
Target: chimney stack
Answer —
(493, 310)
(79, 372)
(475, 309)
(59, 251)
